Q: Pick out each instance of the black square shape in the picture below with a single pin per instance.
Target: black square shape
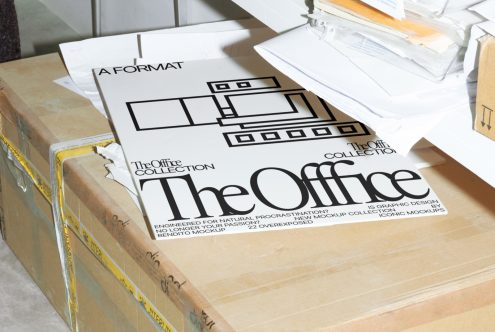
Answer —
(322, 131)
(296, 133)
(347, 129)
(244, 138)
(271, 136)
(243, 85)
(222, 86)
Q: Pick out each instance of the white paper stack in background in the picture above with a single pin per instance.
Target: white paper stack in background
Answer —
(399, 119)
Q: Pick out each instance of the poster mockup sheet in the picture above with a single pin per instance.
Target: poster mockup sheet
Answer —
(232, 145)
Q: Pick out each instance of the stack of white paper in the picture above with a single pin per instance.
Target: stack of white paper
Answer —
(401, 107)
(453, 134)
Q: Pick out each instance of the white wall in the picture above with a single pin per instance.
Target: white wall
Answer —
(119, 16)
(76, 13)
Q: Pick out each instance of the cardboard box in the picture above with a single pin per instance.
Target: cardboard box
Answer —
(421, 274)
(485, 98)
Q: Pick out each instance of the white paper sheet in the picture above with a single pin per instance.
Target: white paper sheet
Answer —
(394, 8)
(117, 169)
(157, 48)
(279, 15)
(198, 134)
(82, 56)
(454, 5)
(456, 137)
(486, 9)
(394, 80)
(69, 84)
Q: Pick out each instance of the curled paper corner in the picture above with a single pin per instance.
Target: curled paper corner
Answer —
(117, 169)
(113, 152)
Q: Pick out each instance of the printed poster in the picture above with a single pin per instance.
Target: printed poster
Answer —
(231, 145)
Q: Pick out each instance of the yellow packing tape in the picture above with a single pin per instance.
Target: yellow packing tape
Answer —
(69, 220)
(60, 152)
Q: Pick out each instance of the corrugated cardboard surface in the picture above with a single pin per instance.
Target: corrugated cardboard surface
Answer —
(388, 276)
(103, 304)
(485, 99)
(29, 232)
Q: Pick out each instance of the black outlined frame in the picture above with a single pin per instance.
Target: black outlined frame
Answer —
(287, 94)
(276, 84)
(295, 92)
(222, 111)
(362, 130)
(317, 120)
(186, 111)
